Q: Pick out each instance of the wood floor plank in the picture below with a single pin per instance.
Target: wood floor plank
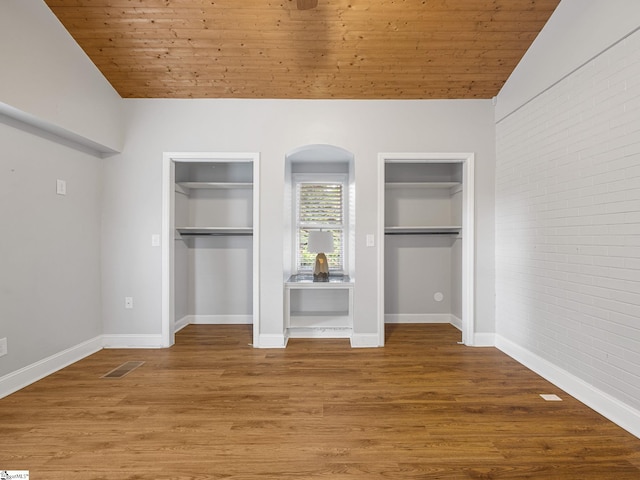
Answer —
(212, 407)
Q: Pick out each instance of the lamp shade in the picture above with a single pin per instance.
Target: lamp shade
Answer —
(320, 242)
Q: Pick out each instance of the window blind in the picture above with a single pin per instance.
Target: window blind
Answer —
(320, 206)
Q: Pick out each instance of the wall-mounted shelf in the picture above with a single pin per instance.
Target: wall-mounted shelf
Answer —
(235, 231)
(324, 318)
(215, 184)
(424, 230)
(185, 187)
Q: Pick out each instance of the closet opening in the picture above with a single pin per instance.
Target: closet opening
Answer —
(210, 241)
(426, 240)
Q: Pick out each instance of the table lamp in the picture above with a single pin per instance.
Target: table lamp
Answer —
(320, 242)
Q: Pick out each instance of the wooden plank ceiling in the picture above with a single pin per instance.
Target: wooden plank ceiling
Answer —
(349, 49)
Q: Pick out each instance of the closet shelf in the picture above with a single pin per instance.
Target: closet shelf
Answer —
(219, 185)
(229, 231)
(421, 184)
(424, 230)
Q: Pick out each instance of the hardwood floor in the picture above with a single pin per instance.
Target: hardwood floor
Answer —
(212, 407)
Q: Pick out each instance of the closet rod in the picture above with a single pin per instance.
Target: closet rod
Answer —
(422, 233)
(236, 234)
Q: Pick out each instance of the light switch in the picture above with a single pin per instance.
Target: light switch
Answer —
(155, 240)
(61, 187)
(370, 240)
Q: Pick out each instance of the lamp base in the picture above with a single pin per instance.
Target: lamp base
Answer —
(321, 270)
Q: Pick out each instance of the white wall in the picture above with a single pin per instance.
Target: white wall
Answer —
(568, 214)
(416, 267)
(47, 79)
(220, 276)
(132, 196)
(49, 248)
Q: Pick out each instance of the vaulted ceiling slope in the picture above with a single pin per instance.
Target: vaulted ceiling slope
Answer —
(348, 49)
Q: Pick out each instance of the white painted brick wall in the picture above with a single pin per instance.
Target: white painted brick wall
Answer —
(568, 223)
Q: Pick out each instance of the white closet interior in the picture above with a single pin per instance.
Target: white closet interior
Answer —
(214, 255)
(426, 211)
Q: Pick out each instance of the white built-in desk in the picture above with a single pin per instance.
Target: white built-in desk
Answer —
(318, 309)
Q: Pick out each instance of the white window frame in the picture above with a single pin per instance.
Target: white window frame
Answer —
(316, 178)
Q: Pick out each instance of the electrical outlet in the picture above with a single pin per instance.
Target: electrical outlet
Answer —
(3, 346)
(128, 302)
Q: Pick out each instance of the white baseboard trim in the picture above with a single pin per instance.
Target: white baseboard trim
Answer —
(272, 340)
(132, 341)
(319, 332)
(418, 318)
(180, 324)
(618, 412)
(220, 319)
(365, 340)
(14, 381)
(456, 322)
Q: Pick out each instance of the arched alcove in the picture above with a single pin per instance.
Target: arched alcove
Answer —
(320, 310)
(319, 153)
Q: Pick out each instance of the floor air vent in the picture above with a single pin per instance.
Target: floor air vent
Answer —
(122, 370)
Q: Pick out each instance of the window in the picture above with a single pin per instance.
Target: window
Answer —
(320, 205)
